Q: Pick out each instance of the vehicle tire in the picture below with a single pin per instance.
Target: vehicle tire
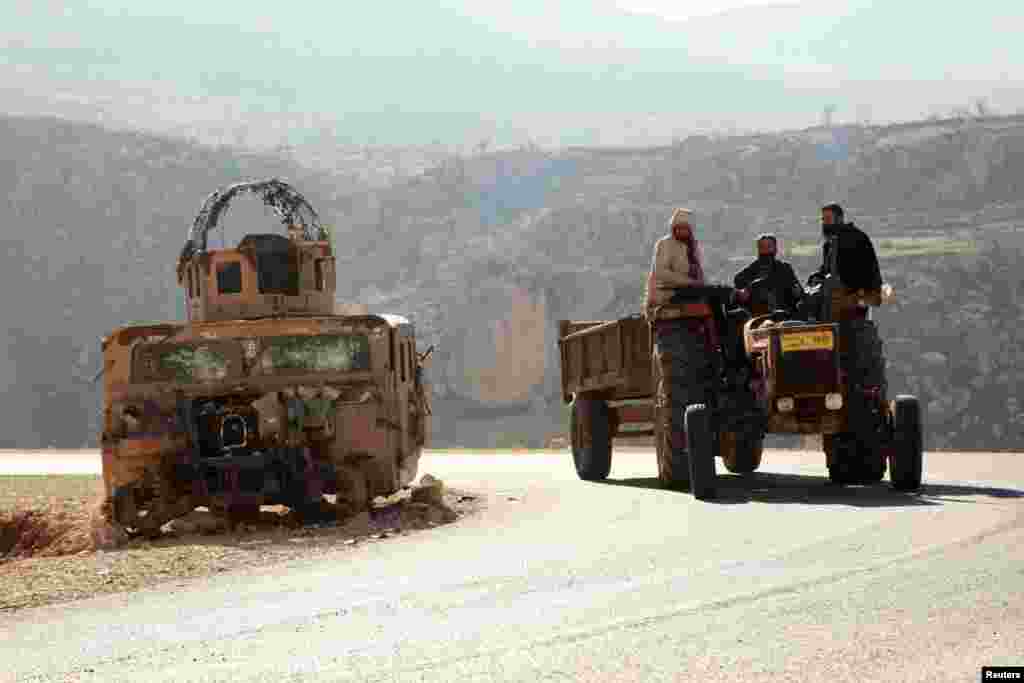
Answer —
(353, 491)
(741, 453)
(908, 455)
(673, 463)
(590, 426)
(247, 512)
(865, 360)
(701, 445)
(870, 464)
(842, 458)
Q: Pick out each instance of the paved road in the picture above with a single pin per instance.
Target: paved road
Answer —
(49, 462)
(560, 580)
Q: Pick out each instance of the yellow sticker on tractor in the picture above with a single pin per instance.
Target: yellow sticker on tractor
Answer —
(807, 341)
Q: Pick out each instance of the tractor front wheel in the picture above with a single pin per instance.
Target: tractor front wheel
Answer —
(907, 454)
(741, 452)
(701, 444)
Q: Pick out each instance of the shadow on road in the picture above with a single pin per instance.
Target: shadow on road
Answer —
(770, 487)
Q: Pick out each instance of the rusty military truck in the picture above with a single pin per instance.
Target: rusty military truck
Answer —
(270, 393)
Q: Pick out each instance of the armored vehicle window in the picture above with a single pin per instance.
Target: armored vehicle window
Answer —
(322, 353)
(229, 277)
(180, 363)
(277, 263)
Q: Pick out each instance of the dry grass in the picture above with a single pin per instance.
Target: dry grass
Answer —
(48, 550)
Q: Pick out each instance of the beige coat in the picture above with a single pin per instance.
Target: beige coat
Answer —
(670, 269)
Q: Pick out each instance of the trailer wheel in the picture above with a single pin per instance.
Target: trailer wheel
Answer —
(701, 443)
(908, 456)
(591, 438)
(741, 452)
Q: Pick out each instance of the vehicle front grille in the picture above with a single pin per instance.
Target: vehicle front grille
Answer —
(806, 372)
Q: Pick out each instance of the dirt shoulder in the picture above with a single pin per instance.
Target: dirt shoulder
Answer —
(48, 551)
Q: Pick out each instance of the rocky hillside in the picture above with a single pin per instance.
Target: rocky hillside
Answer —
(487, 253)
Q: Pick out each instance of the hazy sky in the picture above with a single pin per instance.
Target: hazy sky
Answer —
(424, 70)
(687, 9)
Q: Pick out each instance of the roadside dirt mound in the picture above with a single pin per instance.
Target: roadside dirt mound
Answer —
(199, 546)
(81, 526)
(45, 532)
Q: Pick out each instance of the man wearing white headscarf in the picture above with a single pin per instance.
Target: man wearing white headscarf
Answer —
(683, 346)
(677, 260)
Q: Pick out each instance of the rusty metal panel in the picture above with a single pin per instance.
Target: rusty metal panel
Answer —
(634, 413)
(787, 423)
(361, 429)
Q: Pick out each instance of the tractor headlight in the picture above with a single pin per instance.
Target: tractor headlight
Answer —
(834, 401)
(785, 405)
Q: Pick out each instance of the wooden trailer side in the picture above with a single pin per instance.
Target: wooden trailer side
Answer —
(609, 360)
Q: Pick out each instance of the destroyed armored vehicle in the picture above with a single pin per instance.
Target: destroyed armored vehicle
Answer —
(773, 375)
(270, 393)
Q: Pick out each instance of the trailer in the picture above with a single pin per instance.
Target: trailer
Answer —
(609, 380)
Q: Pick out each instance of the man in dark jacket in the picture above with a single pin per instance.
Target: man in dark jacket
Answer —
(856, 264)
(783, 290)
(847, 255)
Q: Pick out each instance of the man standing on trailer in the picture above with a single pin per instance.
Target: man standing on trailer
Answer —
(847, 254)
(683, 345)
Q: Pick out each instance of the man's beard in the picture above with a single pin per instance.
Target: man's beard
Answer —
(766, 259)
